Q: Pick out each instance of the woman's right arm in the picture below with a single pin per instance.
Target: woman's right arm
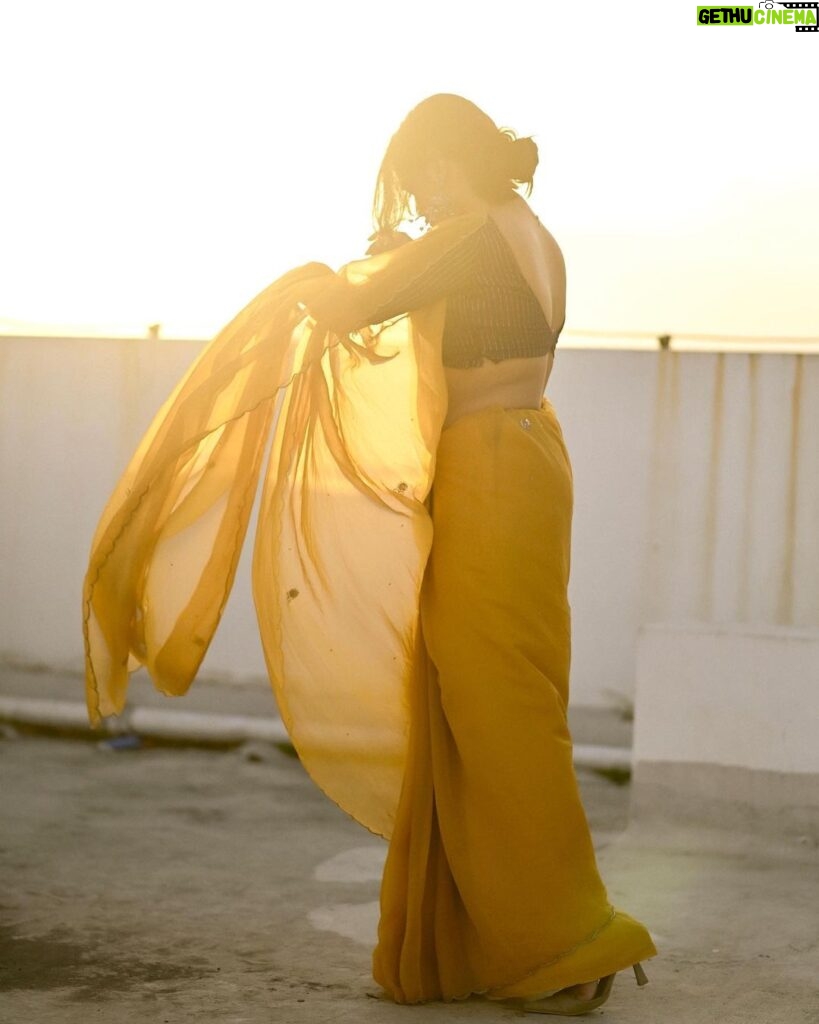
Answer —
(415, 274)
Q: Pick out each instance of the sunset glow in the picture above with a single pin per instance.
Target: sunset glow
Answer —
(163, 162)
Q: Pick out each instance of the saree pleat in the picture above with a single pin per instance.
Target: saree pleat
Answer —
(491, 883)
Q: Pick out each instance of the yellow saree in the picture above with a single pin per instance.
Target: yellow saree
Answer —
(424, 684)
(491, 884)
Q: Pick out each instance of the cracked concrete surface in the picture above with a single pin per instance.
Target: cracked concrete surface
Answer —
(176, 884)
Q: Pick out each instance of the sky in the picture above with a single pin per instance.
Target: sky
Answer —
(161, 162)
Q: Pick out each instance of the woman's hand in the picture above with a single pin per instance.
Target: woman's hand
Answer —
(383, 241)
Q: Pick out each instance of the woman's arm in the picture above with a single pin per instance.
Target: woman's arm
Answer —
(413, 274)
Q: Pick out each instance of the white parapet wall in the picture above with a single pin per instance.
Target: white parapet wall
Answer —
(696, 495)
(727, 727)
(73, 410)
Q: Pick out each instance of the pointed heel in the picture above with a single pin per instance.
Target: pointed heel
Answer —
(562, 1004)
(640, 974)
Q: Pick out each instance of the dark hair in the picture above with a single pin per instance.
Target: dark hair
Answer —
(494, 160)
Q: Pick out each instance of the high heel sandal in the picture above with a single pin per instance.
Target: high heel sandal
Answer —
(566, 1005)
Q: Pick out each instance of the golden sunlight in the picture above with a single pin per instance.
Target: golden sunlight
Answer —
(167, 161)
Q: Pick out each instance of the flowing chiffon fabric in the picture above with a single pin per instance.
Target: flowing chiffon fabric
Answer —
(424, 684)
(343, 533)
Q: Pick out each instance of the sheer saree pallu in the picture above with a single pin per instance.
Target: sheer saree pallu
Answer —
(491, 884)
(343, 533)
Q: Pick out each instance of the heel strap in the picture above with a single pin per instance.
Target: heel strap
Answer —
(640, 974)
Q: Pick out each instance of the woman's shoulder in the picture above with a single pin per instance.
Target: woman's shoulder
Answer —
(523, 230)
(515, 214)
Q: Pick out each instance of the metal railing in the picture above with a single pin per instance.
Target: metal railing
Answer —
(573, 337)
(688, 341)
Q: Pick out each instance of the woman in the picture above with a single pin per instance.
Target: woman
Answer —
(410, 570)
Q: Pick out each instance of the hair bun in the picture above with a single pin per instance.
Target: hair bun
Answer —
(523, 159)
(495, 162)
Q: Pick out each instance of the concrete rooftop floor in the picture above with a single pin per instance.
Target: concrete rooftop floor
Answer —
(167, 884)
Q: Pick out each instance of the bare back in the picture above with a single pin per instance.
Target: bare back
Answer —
(516, 383)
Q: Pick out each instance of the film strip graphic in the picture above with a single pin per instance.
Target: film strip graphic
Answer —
(803, 7)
